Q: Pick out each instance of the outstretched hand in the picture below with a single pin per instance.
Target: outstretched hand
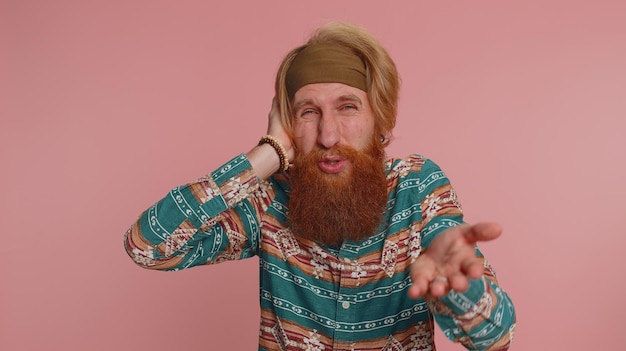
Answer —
(451, 260)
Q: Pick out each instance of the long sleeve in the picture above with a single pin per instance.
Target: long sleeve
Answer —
(213, 219)
(482, 317)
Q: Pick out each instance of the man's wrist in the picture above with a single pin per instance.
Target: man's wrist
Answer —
(280, 150)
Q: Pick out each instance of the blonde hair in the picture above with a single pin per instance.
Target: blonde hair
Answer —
(383, 82)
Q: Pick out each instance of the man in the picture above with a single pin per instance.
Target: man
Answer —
(358, 251)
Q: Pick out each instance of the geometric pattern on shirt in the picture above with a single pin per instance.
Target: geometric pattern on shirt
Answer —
(328, 321)
(233, 252)
(286, 243)
(178, 238)
(279, 335)
(363, 277)
(393, 345)
(422, 338)
(415, 242)
(389, 257)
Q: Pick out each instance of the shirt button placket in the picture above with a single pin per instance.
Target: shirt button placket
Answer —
(346, 305)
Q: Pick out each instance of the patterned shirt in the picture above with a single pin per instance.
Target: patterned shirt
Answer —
(313, 297)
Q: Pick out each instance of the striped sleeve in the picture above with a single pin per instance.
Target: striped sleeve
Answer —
(212, 219)
(482, 317)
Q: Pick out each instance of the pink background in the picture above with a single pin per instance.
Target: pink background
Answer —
(106, 106)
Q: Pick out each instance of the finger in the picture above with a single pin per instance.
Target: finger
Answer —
(439, 286)
(484, 231)
(458, 282)
(422, 272)
(473, 267)
(419, 288)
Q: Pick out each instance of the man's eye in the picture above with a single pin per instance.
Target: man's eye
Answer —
(307, 112)
(349, 108)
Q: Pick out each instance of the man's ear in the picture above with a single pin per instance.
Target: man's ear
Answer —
(385, 137)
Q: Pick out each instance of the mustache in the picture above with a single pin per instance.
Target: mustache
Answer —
(339, 150)
(317, 155)
(374, 149)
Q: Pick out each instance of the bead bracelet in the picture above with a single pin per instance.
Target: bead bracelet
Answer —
(280, 150)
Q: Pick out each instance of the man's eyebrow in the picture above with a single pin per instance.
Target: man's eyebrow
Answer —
(343, 98)
(299, 104)
(351, 98)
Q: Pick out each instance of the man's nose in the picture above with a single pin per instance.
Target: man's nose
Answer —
(328, 134)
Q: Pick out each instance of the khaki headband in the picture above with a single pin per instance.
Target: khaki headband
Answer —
(325, 63)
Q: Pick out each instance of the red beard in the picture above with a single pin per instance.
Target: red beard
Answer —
(332, 208)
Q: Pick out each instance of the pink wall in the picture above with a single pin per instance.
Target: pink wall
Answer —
(105, 107)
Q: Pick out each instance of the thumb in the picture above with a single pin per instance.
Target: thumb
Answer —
(484, 231)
